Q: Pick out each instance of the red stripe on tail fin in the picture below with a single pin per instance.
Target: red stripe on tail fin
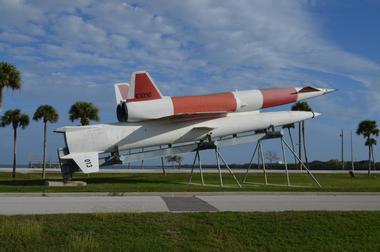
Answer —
(143, 88)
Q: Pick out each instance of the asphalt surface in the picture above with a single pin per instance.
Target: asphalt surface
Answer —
(211, 202)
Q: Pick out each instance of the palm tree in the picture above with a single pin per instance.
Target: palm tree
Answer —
(301, 106)
(85, 111)
(10, 77)
(17, 119)
(46, 113)
(289, 127)
(368, 129)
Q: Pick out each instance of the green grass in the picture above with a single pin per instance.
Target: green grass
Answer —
(286, 231)
(177, 182)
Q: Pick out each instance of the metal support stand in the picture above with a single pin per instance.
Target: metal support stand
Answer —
(129, 163)
(307, 169)
(197, 157)
(250, 162)
(263, 161)
(68, 166)
(259, 150)
(219, 170)
(219, 158)
(142, 161)
(163, 164)
(227, 166)
(285, 161)
(260, 161)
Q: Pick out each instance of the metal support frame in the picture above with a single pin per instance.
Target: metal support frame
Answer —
(218, 165)
(307, 169)
(263, 161)
(259, 150)
(219, 159)
(285, 161)
(215, 145)
(217, 152)
(142, 161)
(190, 147)
(197, 157)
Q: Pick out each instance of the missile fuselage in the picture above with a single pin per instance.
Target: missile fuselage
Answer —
(122, 136)
(229, 102)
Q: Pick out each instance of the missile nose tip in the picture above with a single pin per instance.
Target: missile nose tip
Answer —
(315, 114)
(329, 90)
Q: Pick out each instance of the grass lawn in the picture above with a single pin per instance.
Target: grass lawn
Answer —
(177, 182)
(285, 231)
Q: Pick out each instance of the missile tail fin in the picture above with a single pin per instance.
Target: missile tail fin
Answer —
(143, 87)
(121, 92)
(87, 162)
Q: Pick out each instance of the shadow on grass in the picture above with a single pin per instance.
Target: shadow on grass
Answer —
(26, 182)
(133, 179)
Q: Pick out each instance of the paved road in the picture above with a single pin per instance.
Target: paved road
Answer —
(12, 205)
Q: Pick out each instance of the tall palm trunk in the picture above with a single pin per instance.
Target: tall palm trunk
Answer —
(14, 152)
(291, 141)
(369, 159)
(304, 144)
(299, 146)
(373, 159)
(163, 166)
(44, 154)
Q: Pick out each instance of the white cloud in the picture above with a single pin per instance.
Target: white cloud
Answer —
(15, 38)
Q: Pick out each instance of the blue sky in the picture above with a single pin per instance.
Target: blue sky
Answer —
(75, 50)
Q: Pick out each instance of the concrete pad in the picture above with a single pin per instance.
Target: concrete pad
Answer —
(68, 183)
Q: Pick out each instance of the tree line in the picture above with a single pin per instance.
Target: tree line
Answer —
(10, 78)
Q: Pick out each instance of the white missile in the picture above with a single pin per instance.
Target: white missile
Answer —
(84, 143)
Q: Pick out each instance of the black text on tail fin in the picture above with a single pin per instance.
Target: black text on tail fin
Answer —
(143, 88)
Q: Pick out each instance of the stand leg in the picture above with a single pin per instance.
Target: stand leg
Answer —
(200, 168)
(129, 163)
(285, 162)
(229, 169)
(142, 161)
(162, 164)
(302, 164)
(263, 162)
(192, 167)
(218, 164)
(250, 162)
